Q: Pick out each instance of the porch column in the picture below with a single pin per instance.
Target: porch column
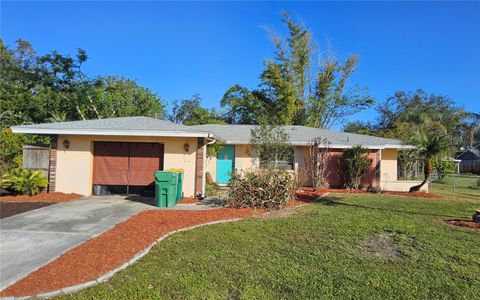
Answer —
(52, 168)
(200, 167)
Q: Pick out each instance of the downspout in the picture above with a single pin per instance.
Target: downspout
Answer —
(205, 166)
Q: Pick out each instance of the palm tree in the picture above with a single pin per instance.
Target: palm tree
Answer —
(428, 145)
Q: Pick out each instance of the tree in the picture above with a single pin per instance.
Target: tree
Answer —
(271, 145)
(355, 164)
(189, 112)
(53, 87)
(429, 144)
(294, 91)
(243, 106)
(317, 161)
(360, 127)
(121, 97)
(472, 130)
(404, 113)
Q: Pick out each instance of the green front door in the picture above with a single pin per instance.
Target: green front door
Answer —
(225, 159)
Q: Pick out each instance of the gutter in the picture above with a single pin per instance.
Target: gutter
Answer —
(163, 133)
(336, 146)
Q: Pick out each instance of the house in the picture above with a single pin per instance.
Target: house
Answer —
(123, 153)
(382, 151)
(469, 160)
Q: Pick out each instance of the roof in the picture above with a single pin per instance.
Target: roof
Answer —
(124, 126)
(469, 154)
(302, 135)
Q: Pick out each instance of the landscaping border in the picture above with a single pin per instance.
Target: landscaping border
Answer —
(105, 277)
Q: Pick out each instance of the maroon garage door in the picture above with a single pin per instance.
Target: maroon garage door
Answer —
(118, 163)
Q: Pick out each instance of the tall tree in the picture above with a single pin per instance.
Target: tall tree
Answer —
(190, 112)
(428, 146)
(53, 87)
(405, 113)
(288, 94)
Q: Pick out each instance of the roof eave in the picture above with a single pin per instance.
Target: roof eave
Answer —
(162, 133)
(335, 146)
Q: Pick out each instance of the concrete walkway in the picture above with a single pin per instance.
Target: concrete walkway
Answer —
(33, 239)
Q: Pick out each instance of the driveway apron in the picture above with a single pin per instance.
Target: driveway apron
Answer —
(35, 238)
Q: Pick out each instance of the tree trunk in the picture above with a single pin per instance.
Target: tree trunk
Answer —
(427, 170)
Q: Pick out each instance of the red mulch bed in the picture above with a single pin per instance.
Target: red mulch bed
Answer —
(43, 197)
(416, 194)
(306, 192)
(464, 223)
(111, 249)
(189, 201)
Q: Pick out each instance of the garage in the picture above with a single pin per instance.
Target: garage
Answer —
(125, 167)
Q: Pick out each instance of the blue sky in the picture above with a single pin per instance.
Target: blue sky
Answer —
(180, 48)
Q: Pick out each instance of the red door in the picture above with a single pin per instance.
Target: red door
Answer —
(118, 163)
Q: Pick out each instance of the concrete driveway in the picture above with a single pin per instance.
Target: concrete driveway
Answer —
(32, 239)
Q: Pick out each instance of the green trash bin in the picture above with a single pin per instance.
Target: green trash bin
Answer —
(179, 183)
(165, 189)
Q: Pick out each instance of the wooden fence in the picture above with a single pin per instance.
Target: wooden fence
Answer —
(470, 167)
(36, 157)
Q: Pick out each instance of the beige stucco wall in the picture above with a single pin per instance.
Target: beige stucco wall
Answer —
(243, 161)
(388, 165)
(75, 165)
(211, 167)
(388, 174)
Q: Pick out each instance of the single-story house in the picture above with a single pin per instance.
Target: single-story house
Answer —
(383, 152)
(119, 152)
(469, 160)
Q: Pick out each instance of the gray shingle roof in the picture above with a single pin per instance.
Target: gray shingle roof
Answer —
(230, 134)
(116, 126)
(301, 135)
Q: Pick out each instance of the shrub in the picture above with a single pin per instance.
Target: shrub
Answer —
(475, 184)
(317, 161)
(375, 190)
(355, 164)
(443, 167)
(269, 188)
(26, 182)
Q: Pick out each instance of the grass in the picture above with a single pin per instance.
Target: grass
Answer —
(347, 246)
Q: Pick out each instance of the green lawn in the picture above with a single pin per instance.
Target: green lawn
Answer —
(348, 246)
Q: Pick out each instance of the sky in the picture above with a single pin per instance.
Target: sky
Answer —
(177, 49)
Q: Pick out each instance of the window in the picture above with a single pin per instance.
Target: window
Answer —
(285, 161)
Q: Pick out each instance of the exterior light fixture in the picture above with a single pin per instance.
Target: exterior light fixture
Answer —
(186, 147)
(66, 144)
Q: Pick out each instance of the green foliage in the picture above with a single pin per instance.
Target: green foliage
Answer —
(189, 112)
(287, 92)
(11, 146)
(271, 145)
(317, 252)
(443, 166)
(213, 149)
(25, 182)
(428, 145)
(476, 184)
(244, 106)
(269, 188)
(355, 164)
(405, 113)
(212, 189)
(360, 127)
(272, 186)
(317, 161)
(53, 87)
